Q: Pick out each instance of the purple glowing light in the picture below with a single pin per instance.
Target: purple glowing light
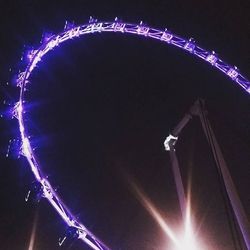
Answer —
(49, 42)
(142, 29)
(212, 58)
(233, 73)
(31, 54)
(189, 46)
(166, 36)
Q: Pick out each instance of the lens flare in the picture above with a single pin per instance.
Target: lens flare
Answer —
(186, 240)
(147, 204)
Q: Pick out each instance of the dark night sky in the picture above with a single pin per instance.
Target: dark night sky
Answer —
(101, 106)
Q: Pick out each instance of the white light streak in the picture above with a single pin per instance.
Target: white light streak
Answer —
(33, 233)
(147, 204)
(26, 149)
(183, 241)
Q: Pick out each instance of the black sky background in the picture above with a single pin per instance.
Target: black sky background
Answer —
(101, 106)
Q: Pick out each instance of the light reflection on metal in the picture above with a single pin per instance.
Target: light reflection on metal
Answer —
(49, 42)
(168, 140)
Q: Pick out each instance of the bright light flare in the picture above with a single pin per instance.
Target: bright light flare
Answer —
(186, 240)
(147, 204)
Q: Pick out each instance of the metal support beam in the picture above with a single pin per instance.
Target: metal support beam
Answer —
(178, 180)
(232, 193)
(239, 212)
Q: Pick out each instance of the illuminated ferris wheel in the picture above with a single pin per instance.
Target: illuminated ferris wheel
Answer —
(77, 229)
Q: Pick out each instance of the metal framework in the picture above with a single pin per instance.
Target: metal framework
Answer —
(199, 110)
(71, 31)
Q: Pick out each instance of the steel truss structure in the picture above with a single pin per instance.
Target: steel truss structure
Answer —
(198, 110)
(48, 43)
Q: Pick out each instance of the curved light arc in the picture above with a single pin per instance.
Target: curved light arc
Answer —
(70, 32)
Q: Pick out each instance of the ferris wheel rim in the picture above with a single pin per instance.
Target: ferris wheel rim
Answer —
(71, 31)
